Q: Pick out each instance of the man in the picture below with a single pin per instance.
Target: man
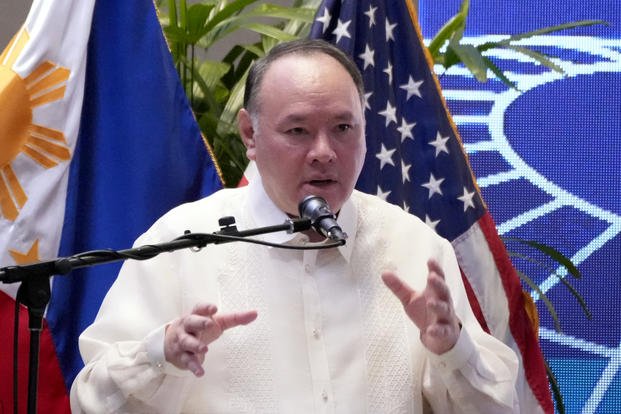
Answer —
(322, 332)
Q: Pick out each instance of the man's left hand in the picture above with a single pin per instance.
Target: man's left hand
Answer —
(431, 310)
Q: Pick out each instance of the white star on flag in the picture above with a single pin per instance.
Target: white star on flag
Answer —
(406, 130)
(467, 199)
(405, 171)
(433, 185)
(325, 19)
(388, 71)
(367, 57)
(382, 194)
(371, 14)
(341, 30)
(366, 100)
(385, 157)
(390, 27)
(390, 113)
(431, 223)
(440, 144)
(412, 88)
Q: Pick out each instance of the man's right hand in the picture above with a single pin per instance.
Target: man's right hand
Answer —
(187, 338)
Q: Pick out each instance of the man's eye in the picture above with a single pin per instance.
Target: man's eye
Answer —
(296, 131)
(344, 127)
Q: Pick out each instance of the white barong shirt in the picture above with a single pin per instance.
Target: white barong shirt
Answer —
(329, 337)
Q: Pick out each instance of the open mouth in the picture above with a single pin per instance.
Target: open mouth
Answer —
(321, 183)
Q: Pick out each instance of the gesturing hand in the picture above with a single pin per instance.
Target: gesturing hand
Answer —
(187, 338)
(431, 310)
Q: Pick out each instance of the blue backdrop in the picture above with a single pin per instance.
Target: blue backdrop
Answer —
(547, 161)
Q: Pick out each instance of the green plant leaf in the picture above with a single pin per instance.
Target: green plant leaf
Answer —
(472, 59)
(175, 34)
(235, 101)
(499, 73)
(304, 14)
(445, 33)
(539, 57)
(552, 29)
(197, 16)
(450, 31)
(226, 12)
(212, 72)
(551, 252)
(464, 7)
(270, 31)
(562, 279)
(240, 58)
(556, 389)
(544, 298)
(544, 30)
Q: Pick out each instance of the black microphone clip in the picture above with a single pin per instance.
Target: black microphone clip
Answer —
(322, 218)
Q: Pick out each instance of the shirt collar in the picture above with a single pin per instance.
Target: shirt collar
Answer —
(264, 212)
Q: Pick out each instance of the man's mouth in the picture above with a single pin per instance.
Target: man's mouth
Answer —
(320, 183)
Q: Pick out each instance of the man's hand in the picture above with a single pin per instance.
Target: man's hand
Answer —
(187, 338)
(431, 310)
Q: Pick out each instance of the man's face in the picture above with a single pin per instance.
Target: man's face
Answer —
(309, 134)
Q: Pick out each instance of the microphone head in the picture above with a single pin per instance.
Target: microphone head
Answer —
(322, 218)
(314, 207)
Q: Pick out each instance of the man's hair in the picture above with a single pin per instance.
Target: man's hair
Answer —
(296, 47)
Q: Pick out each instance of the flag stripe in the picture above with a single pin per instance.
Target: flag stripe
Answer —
(520, 323)
(52, 394)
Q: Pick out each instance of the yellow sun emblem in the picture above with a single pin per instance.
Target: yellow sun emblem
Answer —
(18, 97)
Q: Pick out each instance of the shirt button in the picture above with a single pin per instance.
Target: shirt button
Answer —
(308, 268)
(324, 396)
(316, 333)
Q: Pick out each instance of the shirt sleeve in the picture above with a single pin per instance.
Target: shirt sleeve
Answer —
(479, 373)
(123, 350)
(126, 378)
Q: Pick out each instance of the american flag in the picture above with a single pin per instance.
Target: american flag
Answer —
(415, 159)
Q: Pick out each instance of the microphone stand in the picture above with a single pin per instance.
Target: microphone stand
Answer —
(34, 291)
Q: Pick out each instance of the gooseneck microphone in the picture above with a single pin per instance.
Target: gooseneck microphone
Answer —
(323, 220)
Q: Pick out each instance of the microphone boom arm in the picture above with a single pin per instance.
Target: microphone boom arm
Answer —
(64, 265)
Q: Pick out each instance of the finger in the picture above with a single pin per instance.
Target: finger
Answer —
(190, 343)
(195, 324)
(437, 281)
(439, 287)
(400, 289)
(192, 363)
(434, 266)
(227, 321)
(204, 309)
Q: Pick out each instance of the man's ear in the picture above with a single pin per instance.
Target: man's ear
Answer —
(246, 131)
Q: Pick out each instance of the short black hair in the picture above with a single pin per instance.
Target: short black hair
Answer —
(297, 47)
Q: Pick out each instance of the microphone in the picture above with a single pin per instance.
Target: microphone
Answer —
(322, 218)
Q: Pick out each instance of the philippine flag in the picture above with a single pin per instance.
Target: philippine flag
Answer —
(97, 140)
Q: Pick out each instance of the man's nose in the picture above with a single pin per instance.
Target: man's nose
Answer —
(322, 149)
